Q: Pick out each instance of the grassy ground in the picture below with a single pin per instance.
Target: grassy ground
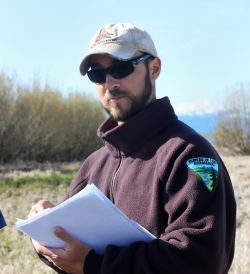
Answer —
(16, 254)
(19, 189)
(239, 170)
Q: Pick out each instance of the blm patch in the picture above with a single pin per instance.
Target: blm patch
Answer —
(206, 169)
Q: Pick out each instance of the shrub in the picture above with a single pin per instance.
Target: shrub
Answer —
(233, 128)
(38, 123)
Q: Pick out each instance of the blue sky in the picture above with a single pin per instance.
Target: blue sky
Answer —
(204, 45)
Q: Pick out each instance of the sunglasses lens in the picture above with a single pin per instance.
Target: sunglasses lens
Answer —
(121, 69)
(118, 70)
(97, 75)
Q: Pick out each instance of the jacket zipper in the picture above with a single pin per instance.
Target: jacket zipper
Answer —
(114, 178)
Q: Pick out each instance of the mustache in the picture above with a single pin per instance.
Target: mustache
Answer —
(114, 93)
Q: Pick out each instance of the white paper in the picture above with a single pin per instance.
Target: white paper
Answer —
(88, 216)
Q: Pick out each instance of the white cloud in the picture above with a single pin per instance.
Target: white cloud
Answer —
(197, 107)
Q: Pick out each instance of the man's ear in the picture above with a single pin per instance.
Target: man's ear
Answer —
(155, 68)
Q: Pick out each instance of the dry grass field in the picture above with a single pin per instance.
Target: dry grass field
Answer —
(17, 256)
(239, 170)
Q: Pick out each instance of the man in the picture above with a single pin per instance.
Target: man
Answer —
(156, 169)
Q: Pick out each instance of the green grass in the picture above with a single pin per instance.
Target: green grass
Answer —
(55, 179)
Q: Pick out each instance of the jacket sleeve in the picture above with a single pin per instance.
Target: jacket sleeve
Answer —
(2, 221)
(198, 236)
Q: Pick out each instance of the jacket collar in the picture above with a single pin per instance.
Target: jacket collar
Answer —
(133, 134)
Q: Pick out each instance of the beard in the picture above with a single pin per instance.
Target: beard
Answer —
(137, 102)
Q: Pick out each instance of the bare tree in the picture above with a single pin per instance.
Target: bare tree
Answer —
(233, 128)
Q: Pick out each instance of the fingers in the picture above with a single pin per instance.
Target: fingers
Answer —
(38, 207)
(71, 258)
(64, 235)
(46, 252)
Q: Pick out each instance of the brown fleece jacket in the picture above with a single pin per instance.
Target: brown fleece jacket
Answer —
(169, 179)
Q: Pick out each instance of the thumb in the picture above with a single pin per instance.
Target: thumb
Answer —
(63, 235)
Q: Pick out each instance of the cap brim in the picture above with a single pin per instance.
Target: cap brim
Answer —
(114, 51)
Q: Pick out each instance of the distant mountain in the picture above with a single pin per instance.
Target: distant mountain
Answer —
(202, 123)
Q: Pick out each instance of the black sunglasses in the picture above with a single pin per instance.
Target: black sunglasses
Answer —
(118, 70)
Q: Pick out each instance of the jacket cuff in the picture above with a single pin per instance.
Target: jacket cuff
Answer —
(92, 263)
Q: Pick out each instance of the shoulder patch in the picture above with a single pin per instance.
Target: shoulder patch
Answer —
(206, 169)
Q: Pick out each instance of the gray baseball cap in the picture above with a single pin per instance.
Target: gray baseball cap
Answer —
(121, 41)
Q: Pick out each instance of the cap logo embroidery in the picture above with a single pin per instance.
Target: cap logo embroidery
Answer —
(103, 36)
(206, 169)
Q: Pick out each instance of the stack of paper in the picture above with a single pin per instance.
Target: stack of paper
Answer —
(88, 216)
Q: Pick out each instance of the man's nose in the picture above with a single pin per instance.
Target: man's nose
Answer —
(111, 83)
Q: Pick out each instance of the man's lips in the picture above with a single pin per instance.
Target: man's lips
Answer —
(116, 98)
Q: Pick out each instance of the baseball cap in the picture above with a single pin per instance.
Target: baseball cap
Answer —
(121, 41)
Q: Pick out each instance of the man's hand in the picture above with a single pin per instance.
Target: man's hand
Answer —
(38, 207)
(71, 258)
